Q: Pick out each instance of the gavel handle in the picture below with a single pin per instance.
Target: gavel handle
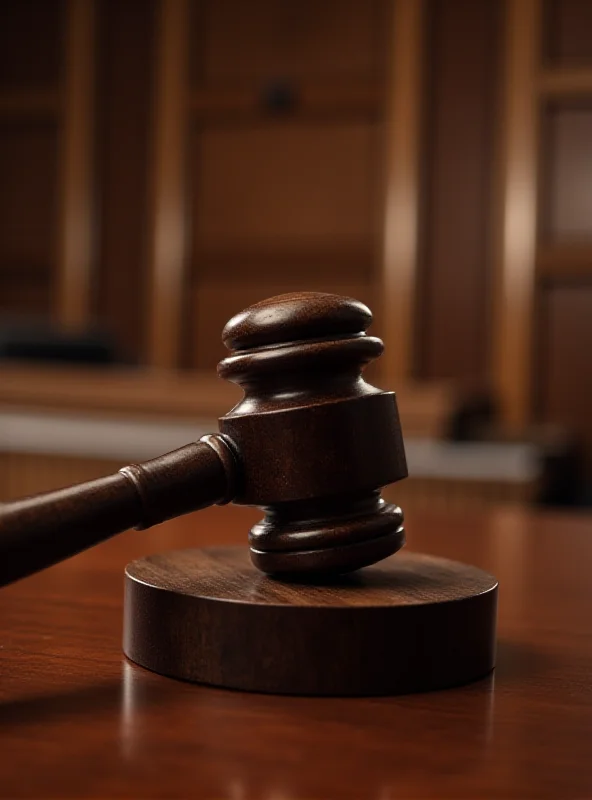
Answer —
(37, 532)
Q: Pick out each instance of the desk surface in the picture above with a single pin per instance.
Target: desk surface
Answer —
(78, 720)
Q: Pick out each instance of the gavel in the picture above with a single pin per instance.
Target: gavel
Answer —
(311, 443)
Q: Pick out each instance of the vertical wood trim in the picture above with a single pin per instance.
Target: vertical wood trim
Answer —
(75, 245)
(513, 317)
(167, 236)
(400, 240)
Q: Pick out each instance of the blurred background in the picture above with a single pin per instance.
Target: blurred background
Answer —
(165, 163)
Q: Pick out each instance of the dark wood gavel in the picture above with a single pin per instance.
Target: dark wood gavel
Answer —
(311, 442)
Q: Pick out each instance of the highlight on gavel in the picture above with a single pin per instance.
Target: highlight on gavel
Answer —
(312, 444)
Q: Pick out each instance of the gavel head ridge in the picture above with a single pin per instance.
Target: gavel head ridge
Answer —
(315, 441)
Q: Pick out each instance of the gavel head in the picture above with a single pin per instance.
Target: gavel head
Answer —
(316, 442)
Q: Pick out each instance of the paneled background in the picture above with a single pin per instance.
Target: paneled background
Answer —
(164, 163)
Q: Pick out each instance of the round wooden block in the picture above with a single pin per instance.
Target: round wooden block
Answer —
(410, 623)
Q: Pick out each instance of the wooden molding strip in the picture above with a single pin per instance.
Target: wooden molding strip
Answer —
(167, 244)
(516, 209)
(400, 240)
(565, 82)
(75, 248)
(565, 262)
(30, 103)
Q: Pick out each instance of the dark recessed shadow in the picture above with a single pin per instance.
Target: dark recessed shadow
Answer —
(515, 662)
(41, 708)
(368, 578)
(100, 697)
(338, 580)
(519, 660)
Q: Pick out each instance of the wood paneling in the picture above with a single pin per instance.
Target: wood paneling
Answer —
(292, 39)
(167, 234)
(28, 214)
(289, 188)
(76, 234)
(565, 262)
(566, 81)
(516, 216)
(31, 68)
(281, 199)
(463, 74)
(400, 217)
(31, 44)
(24, 295)
(125, 71)
(567, 197)
(43, 104)
(567, 31)
(565, 376)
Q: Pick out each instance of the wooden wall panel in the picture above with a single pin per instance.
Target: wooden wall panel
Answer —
(463, 65)
(126, 32)
(565, 377)
(28, 214)
(567, 196)
(31, 44)
(289, 39)
(296, 188)
(568, 24)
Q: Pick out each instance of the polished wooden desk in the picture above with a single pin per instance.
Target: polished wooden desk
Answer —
(78, 720)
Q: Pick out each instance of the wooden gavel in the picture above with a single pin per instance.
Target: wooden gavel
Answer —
(311, 442)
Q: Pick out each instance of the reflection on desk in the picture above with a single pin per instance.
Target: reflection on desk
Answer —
(77, 720)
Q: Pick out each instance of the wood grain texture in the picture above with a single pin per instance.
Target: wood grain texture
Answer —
(410, 623)
(100, 726)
